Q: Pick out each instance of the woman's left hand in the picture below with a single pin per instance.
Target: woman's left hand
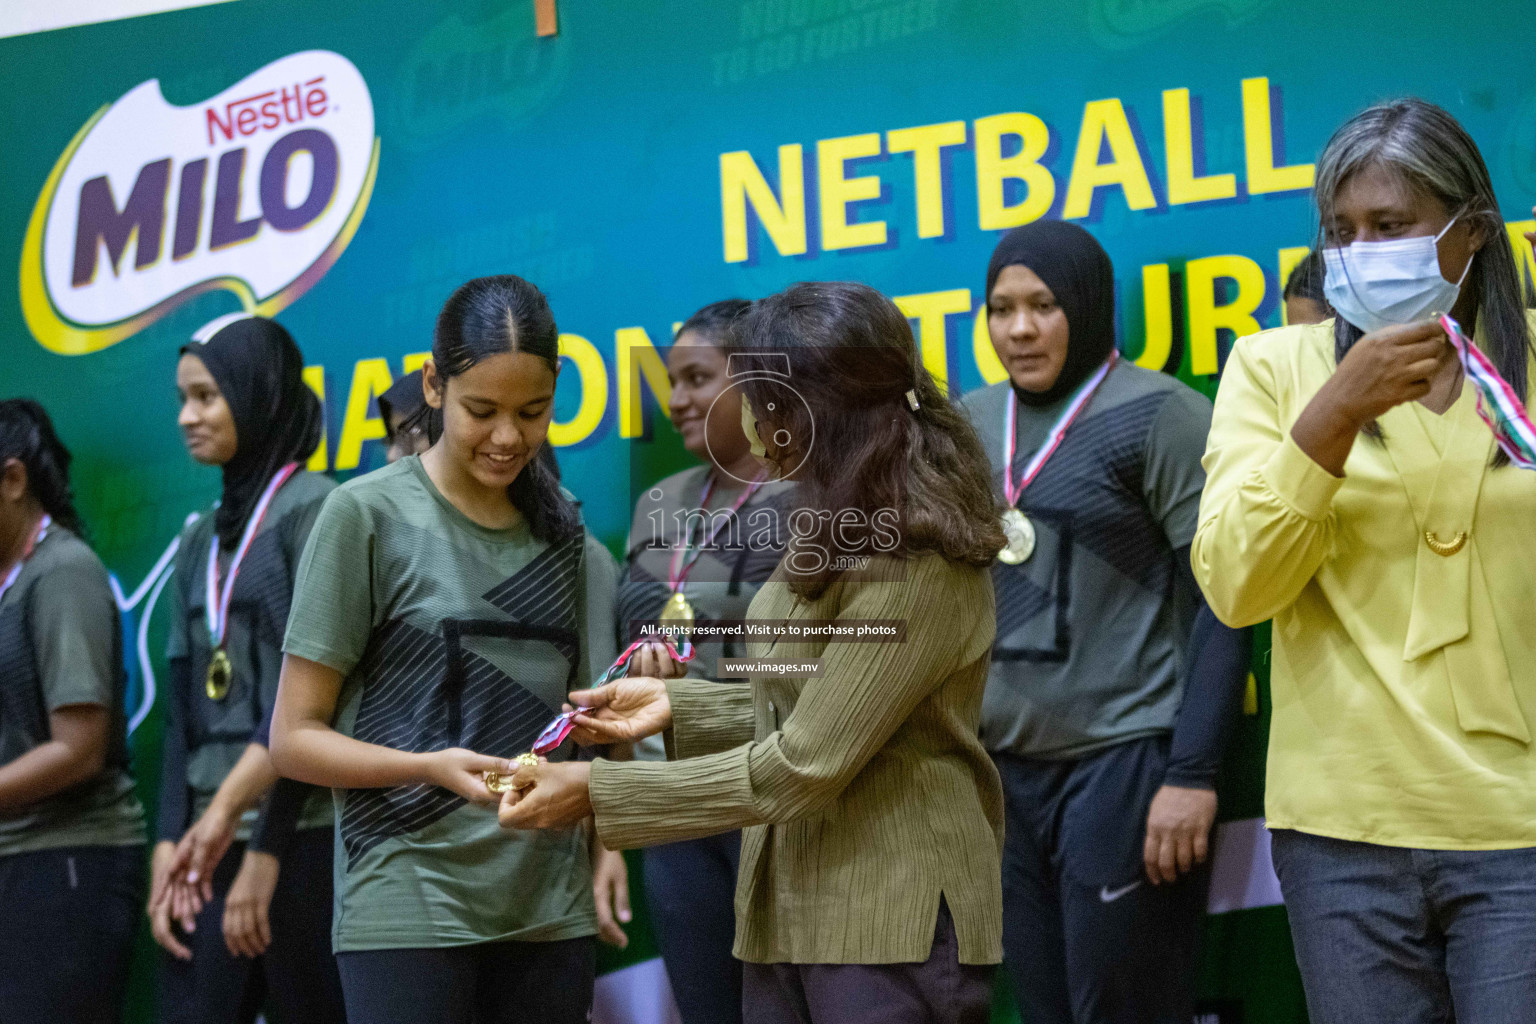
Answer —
(1178, 832)
(547, 796)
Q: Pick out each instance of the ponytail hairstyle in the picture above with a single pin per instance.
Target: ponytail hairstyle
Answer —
(489, 316)
(884, 435)
(26, 434)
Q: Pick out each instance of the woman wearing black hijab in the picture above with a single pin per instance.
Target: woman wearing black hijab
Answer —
(1112, 689)
(241, 899)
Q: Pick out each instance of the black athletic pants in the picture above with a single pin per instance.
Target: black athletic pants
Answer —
(67, 919)
(690, 888)
(486, 983)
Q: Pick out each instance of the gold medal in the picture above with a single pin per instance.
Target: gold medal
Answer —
(1021, 538)
(678, 612)
(497, 782)
(220, 672)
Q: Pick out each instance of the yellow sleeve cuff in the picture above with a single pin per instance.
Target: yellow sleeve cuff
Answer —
(1300, 482)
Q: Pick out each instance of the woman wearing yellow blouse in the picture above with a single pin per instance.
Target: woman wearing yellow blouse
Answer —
(1355, 496)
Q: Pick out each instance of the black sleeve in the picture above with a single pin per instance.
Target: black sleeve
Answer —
(174, 807)
(1218, 662)
(278, 817)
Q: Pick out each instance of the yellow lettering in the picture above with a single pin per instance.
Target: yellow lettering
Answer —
(837, 192)
(993, 169)
(1157, 302)
(592, 377)
(1206, 316)
(925, 144)
(987, 364)
(1259, 141)
(1184, 186)
(1105, 121)
(314, 376)
(636, 358)
(784, 219)
(930, 309)
(413, 361)
(370, 378)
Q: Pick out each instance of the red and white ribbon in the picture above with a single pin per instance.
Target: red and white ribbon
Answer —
(682, 563)
(38, 533)
(1053, 439)
(217, 605)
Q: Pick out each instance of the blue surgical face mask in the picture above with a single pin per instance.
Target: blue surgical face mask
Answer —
(1378, 284)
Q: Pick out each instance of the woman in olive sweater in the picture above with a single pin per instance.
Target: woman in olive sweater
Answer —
(869, 886)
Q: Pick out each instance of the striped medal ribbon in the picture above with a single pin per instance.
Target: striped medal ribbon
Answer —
(221, 670)
(1497, 402)
(1019, 531)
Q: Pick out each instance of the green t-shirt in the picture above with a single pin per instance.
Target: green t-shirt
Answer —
(449, 634)
(61, 644)
(218, 731)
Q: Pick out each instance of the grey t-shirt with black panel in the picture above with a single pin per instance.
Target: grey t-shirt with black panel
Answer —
(218, 731)
(448, 634)
(1092, 628)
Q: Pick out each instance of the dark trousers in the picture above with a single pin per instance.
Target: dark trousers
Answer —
(690, 888)
(1087, 939)
(67, 919)
(488, 983)
(1391, 935)
(295, 979)
(941, 990)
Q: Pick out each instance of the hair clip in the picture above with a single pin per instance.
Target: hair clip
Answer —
(912, 398)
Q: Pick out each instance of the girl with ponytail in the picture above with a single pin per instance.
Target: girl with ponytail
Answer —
(444, 607)
(71, 827)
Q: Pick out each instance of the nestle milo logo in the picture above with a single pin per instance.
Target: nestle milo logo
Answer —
(255, 191)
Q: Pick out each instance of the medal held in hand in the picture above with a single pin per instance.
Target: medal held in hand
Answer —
(555, 732)
(1019, 531)
(221, 671)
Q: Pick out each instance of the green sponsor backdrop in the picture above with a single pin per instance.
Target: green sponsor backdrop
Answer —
(591, 163)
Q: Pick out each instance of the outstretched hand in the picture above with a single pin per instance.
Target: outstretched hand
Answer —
(622, 712)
